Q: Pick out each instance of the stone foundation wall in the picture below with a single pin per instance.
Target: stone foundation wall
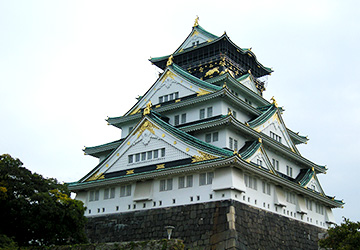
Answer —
(214, 225)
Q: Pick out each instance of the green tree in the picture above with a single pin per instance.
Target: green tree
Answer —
(345, 236)
(36, 210)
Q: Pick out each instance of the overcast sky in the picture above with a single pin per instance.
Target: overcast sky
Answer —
(67, 65)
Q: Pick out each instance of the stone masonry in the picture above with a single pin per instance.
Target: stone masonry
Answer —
(214, 225)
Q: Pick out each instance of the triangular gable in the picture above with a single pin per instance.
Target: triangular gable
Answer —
(173, 84)
(248, 81)
(172, 147)
(254, 152)
(308, 179)
(271, 123)
(197, 36)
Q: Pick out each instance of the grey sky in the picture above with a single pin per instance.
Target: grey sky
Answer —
(67, 65)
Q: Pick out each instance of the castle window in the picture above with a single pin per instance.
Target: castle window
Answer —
(156, 154)
(266, 188)
(275, 164)
(185, 181)
(231, 143)
(235, 145)
(137, 157)
(168, 97)
(166, 185)
(149, 155)
(125, 191)
(275, 137)
(209, 112)
(208, 138)
(183, 118)
(131, 160)
(290, 197)
(289, 171)
(215, 136)
(143, 156)
(206, 178)
(202, 114)
(234, 113)
(94, 195)
(250, 182)
(259, 162)
(109, 193)
(177, 120)
(212, 137)
(319, 208)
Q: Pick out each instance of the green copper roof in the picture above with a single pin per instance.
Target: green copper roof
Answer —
(268, 111)
(105, 146)
(305, 176)
(190, 139)
(242, 77)
(205, 32)
(249, 149)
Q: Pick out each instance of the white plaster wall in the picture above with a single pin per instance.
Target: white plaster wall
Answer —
(283, 162)
(200, 194)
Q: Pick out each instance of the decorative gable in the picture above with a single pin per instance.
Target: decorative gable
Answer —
(149, 147)
(172, 85)
(197, 36)
(271, 123)
(248, 81)
(255, 153)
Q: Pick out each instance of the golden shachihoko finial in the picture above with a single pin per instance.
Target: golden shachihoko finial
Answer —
(169, 61)
(196, 23)
(274, 101)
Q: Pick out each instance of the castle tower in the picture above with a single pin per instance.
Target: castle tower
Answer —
(203, 137)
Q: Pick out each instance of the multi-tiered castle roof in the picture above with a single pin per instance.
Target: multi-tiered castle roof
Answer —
(201, 133)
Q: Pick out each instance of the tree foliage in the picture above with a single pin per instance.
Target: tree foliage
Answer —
(345, 236)
(35, 210)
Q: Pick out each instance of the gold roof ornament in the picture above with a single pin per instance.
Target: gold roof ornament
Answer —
(169, 61)
(147, 109)
(196, 23)
(274, 101)
(260, 140)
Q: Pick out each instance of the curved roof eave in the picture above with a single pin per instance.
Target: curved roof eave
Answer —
(265, 139)
(248, 91)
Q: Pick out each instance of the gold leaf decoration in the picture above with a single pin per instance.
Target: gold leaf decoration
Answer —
(202, 92)
(160, 166)
(203, 157)
(168, 74)
(135, 111)
(96, 176)
(146, 126)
